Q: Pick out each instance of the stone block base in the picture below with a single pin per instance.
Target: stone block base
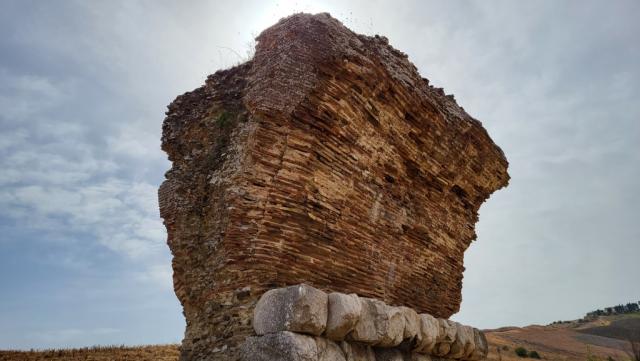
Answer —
(301, 323)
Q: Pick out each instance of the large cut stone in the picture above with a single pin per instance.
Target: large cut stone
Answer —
(395, 331)
(412, 323)
(466, 337)
(415, 356)
(388, 354)
(481, 346)
(446, 336)
(379, 324)
(357, 351)
(344, 312)
(457, 348)
(329, 350)
(280, 346)
(428, 336)
(299, 308)
(327, 159)
(419, 357)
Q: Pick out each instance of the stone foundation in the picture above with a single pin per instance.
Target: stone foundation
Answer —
(302, 323)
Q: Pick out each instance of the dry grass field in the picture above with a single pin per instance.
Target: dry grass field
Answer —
(98, 353)
(600, 339)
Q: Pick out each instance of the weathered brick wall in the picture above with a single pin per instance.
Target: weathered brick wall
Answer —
(328, 160)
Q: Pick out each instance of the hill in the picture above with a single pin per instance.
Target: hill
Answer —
(598, 338)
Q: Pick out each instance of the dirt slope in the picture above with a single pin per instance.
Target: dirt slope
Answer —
(601, 338)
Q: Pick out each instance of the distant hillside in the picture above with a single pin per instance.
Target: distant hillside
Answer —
(599, 337)
(622, 327)
(631, 307)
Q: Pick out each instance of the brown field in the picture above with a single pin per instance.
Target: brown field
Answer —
(98, 353)
(595, 340)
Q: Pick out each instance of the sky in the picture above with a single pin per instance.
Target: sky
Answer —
(83, 90)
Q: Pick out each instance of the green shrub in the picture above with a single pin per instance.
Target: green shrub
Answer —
(224, 119)
(521, 351)
(534, 354)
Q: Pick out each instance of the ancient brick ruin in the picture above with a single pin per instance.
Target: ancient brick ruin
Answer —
(325, 160)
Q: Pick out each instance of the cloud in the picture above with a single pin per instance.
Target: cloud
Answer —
(24, 95)
(160, 274)
(70, 335)
(83, 88)
(58, 180)
(119, 214)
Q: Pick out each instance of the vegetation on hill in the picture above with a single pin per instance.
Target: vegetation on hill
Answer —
(534, 354)
(630, 307)
(521, 351)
